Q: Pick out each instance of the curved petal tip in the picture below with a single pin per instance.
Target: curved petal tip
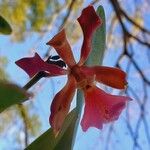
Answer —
(101, 108)
(61, 45)
(89, 21)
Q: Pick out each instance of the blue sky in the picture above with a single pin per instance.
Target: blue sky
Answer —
(45, 90)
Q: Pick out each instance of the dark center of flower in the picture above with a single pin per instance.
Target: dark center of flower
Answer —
(84, 81)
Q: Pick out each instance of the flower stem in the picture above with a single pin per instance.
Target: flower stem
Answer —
(22, 108)
(34, 80)
(79, 104)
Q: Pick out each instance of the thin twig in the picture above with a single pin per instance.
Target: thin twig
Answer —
(126, 41)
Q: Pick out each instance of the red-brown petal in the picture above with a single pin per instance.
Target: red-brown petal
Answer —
(110, 76)
(60, 43)
(101, 108)
(88, 21)
(33, 65)
(61, 104)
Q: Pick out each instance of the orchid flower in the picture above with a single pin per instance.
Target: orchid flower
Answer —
(100, 107)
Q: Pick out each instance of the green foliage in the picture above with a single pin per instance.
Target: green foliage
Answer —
(11, 94)
(4, 26)
(35, 123)
(34, 16)
(11, 116)
(3, 63)
(63, 141)
(99, 40)
(46, 141)
(26, 15)
(31, 119)
(6, 119)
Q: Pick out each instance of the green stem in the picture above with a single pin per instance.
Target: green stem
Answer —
(34, 80)
(79, 104)
(21, 107)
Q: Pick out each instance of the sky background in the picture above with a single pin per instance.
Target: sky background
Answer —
(44, 91)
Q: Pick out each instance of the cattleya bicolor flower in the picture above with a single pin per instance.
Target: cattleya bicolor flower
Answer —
(100, 107)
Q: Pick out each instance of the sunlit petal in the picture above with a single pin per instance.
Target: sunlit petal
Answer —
(33, 65)
(113, 77)
(89, 21)
(101, 108)
(60, 43)
(61, 104)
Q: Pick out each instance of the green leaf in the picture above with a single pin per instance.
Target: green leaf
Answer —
(47, 141)
(11, 94)
(65, 139)
(4, 26)
(98, 41)
(79, 107)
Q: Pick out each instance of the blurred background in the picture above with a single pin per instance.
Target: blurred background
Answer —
(128, 47)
